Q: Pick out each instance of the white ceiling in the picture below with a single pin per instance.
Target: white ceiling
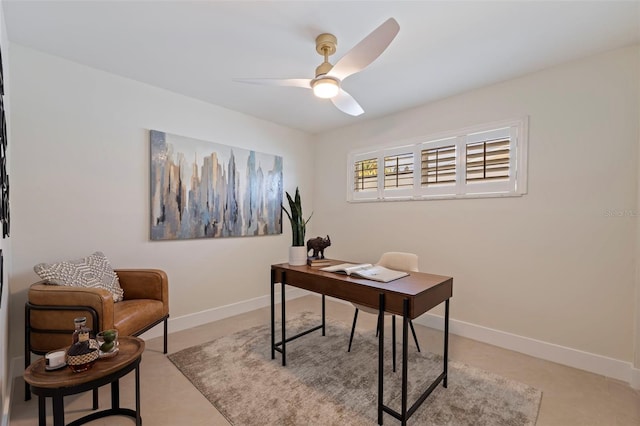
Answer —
(196, 48)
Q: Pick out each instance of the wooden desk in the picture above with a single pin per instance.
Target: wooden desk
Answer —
(56, 384)
(409, 297)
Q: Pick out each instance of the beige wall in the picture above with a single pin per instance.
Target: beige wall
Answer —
(81, 182)
(557, 264)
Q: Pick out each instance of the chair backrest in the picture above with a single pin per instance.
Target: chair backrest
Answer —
(399, 261)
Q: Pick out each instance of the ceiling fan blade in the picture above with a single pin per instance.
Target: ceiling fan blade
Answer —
(291, 82)
(345, 103)
(365, 52)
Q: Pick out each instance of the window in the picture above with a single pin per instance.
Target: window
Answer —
(484, 161)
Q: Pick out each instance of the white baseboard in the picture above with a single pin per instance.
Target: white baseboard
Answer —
(203, 317)
(635, 378)
(594, 363)
(7, 400)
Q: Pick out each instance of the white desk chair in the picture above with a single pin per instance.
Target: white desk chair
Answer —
(401, 262)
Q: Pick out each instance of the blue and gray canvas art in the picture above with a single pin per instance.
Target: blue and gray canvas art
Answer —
(203, 189)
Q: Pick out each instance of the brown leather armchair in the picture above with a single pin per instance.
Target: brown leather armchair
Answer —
(50, 310)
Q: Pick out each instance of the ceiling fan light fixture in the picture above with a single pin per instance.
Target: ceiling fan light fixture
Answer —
(325, 88)
(328, 78)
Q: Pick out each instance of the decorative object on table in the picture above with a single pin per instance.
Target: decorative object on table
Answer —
(202, 189)
(81, 356)
(83, 351)
(107, 343)
(297, 251)
(317, 263)
(236, 374)
(55, 360)
(318, 245)
(82, 333)
(367, 271)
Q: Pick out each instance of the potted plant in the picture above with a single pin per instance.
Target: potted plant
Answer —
(297, 251)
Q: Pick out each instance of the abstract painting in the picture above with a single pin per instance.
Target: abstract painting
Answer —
(203, 189)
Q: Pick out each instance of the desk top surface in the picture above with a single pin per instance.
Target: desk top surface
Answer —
(422, 289)
(411, 285)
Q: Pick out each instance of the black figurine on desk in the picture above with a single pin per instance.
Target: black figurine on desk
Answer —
(318, 245)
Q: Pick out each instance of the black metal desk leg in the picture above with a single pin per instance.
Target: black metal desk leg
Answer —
(166, 333)
(58, 410)
(42, 411)
(380, 357)
(284, 337)
(273, 314)
(323, 321)
(393, 341)
(446, 341)
(405, 337)
(138, 417)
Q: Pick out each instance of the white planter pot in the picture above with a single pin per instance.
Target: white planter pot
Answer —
(297, 255)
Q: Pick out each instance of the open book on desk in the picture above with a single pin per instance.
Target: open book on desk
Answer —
(366, 270)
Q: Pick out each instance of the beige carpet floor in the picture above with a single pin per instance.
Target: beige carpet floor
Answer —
(324, 385)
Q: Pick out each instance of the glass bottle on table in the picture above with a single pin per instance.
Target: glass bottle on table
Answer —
(79, 354)
(82, 332)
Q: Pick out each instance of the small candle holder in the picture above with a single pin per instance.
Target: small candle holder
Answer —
(55, 360)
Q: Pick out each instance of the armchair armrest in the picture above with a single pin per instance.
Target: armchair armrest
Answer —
(145, 284)
(50, 310)
(45, 295)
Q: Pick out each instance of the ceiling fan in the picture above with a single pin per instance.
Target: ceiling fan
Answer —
(328, 81)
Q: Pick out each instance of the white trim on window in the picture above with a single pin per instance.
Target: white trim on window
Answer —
(437, 165)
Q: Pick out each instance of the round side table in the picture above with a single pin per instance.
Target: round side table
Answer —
(59, 383)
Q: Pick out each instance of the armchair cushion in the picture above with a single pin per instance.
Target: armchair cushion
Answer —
(93, 271)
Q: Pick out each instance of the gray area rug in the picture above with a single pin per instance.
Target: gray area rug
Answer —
(324, 385)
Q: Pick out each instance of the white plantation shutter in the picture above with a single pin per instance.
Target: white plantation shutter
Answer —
(365, 176)
(439, 166)
(398, 171)
(490, 161)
